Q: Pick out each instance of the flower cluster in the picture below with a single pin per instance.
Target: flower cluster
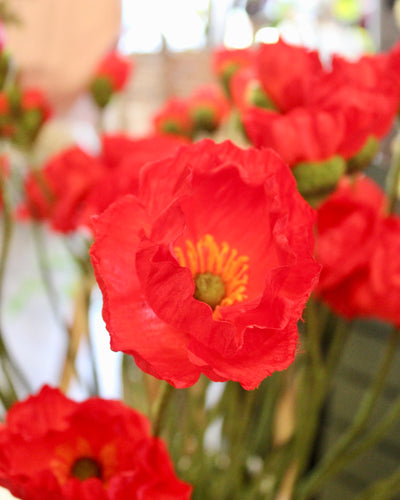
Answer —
(322, 122)
(54, 448)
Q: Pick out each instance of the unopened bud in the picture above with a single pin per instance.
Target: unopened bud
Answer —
(364, 157)
(102, 91)
(317, 179)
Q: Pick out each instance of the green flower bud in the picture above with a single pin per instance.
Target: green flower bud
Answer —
(364, 157)
(317, 179)
(101, 91)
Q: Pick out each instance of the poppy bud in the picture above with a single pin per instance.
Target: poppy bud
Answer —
(101, 90)
(364, 157)
(317, 179)
(4, 67)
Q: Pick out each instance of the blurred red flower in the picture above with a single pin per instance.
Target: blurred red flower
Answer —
(324, 113)
(116, 68)
(209, 268)
(287, 73)
(303, 134)
(57, 192)
(174, 118)
(226, 62)
(358, 246)
(33, 99)
(347, 228)
(52, 448)
(73, 185)
(208, 107)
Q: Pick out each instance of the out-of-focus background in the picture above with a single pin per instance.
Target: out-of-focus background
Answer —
(57, 45)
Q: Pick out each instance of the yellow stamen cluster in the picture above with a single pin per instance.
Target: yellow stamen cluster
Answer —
(206, 256)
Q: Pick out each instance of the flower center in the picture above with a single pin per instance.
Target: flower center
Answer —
(209, 289)
(218, 271)
(85, 468)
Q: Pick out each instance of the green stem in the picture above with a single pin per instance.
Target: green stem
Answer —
(384, 489)
(327, 466)
(393, 178)
(5, 248)
(160, 407)
(87, 279)
(370, 439)
(51, 291)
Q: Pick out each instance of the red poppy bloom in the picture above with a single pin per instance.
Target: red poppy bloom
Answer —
(325, 113)
(347, 228)
(209, 268)
(52, 448)
(226, 62)
(33, 99)
(57, 192)
(368, 111)
(208, 107)
(358, 245)
(117, 148)
(116, 68)
(303, 134)
(174, 118)
(124, 158)
(246, 90)
(73, 185)
(287, 73)
(373, 289)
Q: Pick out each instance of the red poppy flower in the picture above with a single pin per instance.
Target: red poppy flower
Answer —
(73, 186)
(347, 228)
(326, 113)
(174, 118)
(124, 157)
(116, 148)
(303, 134)
(246, 90)
(369, 71)
(116, 68)
(209, 268)
(287, 73)
(33, 99)
(358, 245)
(373, 289)
(226, 62)
(52, 448)
(57, 192)
(367, 111)
(208, 107)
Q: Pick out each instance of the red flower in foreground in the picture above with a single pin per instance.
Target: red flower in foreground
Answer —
(358, 246)
(52, 448)
(209, 268)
